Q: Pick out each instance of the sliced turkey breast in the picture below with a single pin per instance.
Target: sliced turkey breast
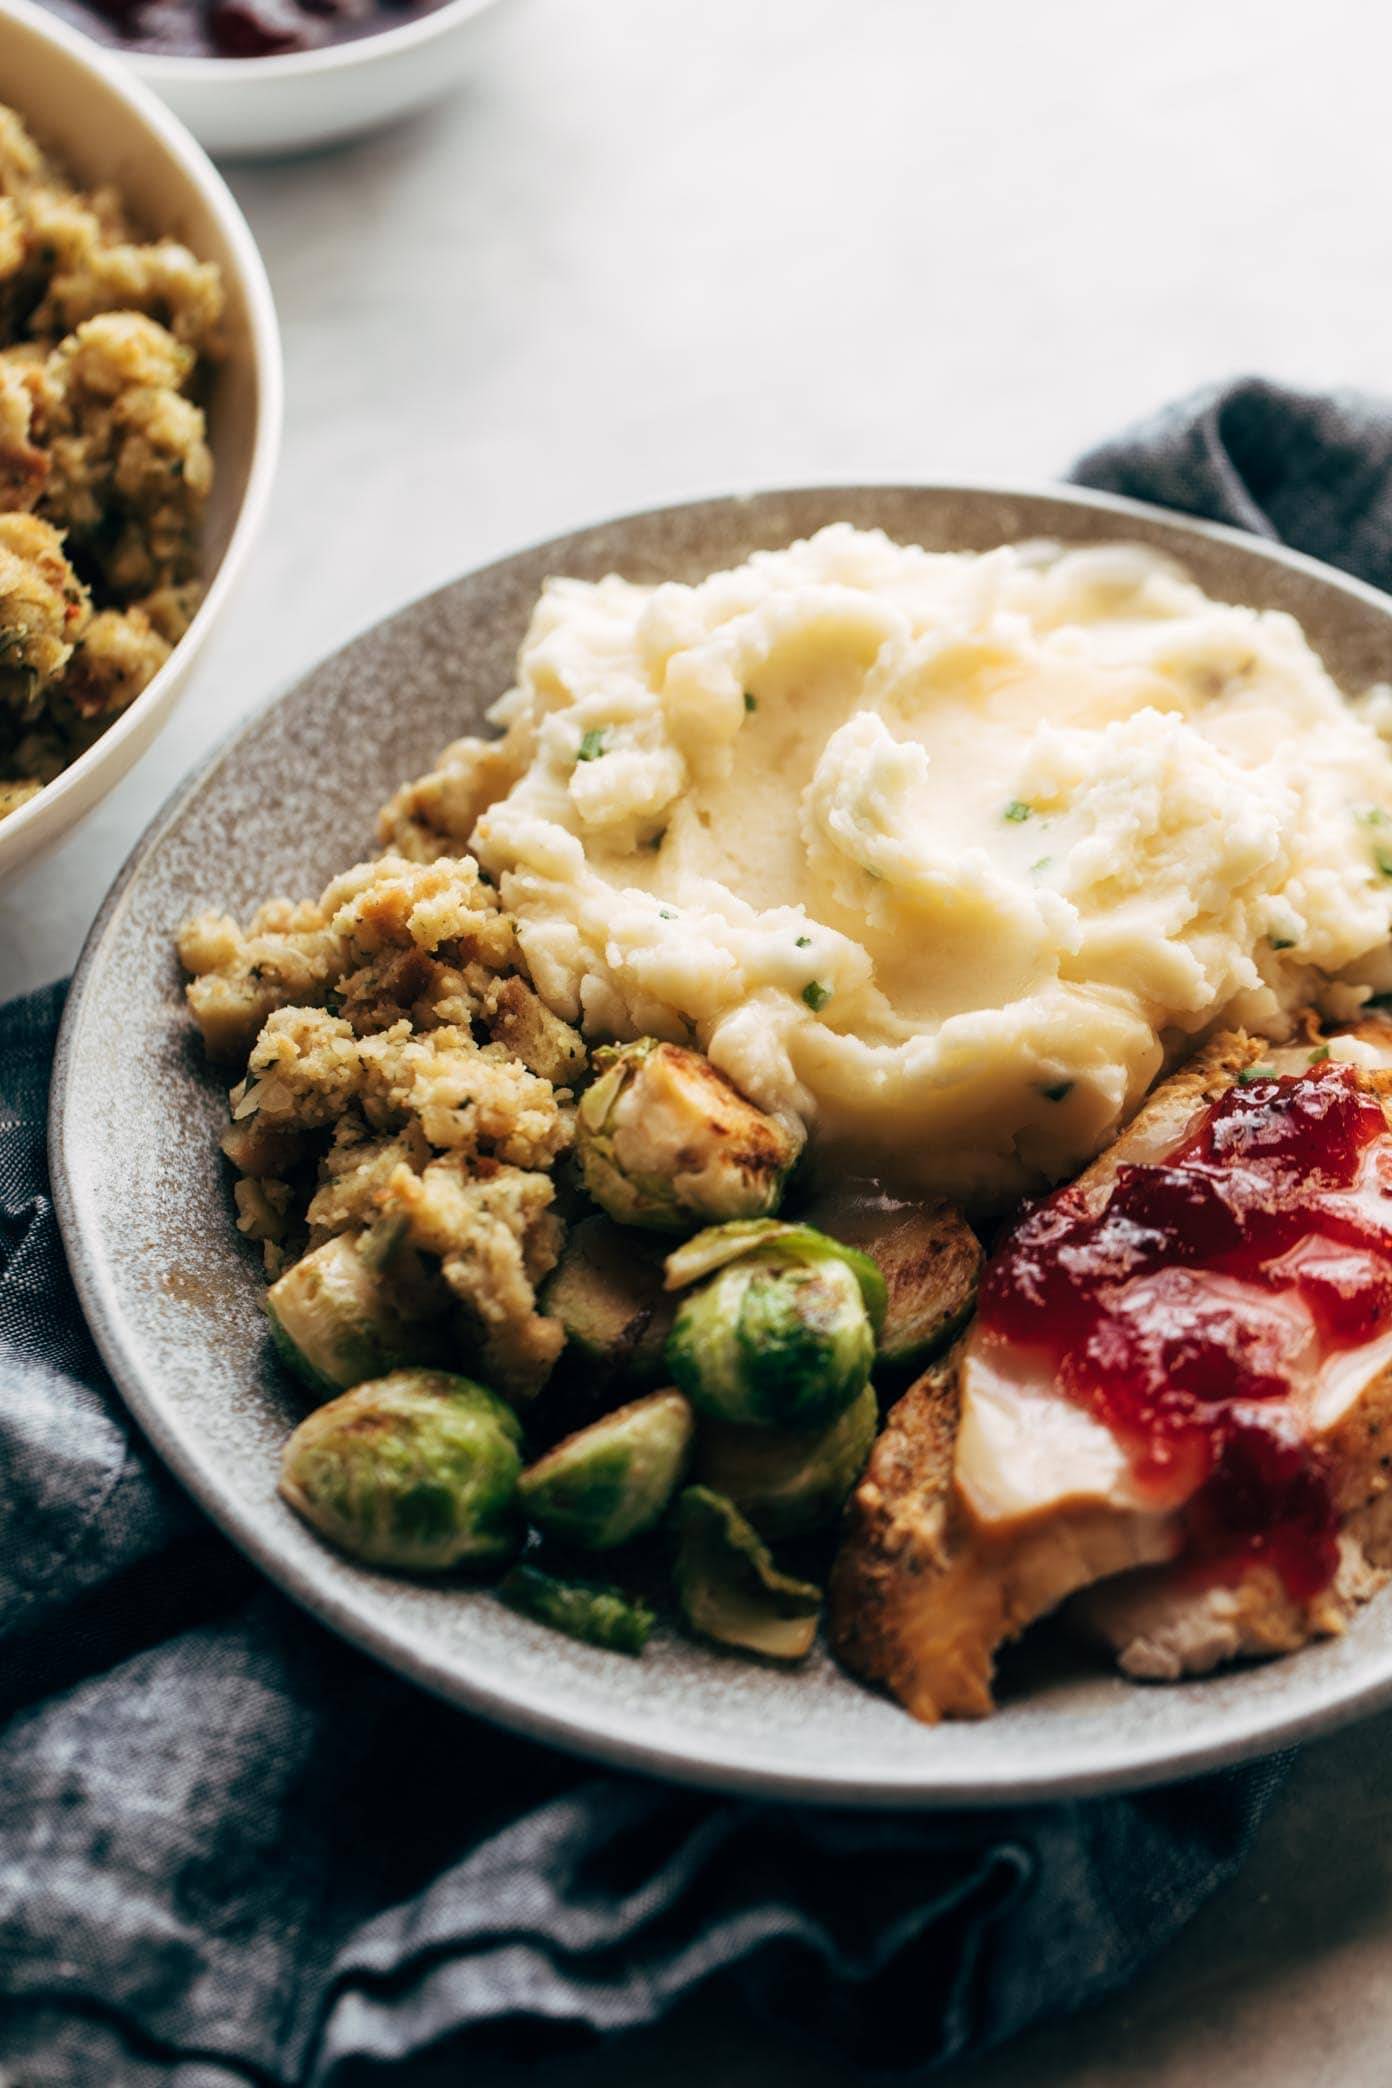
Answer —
(1163, 1626)
(1180, 1429)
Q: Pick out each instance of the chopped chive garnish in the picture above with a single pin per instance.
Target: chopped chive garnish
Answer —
(1282, 942)
(665, 914)
(802, 942)
(1383, 858)
(1316, 1057)
(1042, 864)
(751, 703)
(1372, 816)
(1250, 1073)
(1017, 810)
(592, 745)
(1058, 1092)
(816, 995)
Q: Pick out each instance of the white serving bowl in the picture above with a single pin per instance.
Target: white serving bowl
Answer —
(251, 107)
(106, 127)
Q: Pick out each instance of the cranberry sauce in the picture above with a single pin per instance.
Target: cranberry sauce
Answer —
(1185, 1310)
(236, 28)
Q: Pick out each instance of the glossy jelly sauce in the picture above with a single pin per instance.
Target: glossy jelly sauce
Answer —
(235, 28)
(1207, 1289)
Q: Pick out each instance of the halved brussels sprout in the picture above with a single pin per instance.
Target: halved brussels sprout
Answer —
(781, 1337)
(718, 1245)
(788, 1481)
(665, 1140)
(600, 1616)
(335, 1321)
(928, 1255)
(416, 1470)
(607, 1293)
(611, 1481)
(729, 1587)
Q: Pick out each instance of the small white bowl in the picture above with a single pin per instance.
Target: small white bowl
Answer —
(105, 127)
(249, 107)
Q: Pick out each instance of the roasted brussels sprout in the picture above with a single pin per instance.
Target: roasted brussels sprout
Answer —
(928, 1255)
(729, 1587)
(788, 1481)
(335, 1321)
(417, 1470)
(611, 1481)
(607, 1293)
(664, 1140)
(600, 1616)
(707, 1251)
(783, 1336)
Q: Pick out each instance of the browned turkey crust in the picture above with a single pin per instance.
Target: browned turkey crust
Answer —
(922, 1598)
(923, 1595)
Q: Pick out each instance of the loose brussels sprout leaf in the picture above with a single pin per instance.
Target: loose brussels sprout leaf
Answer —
(788, 1481)
(666, 1141)
(773, 1342)
(729, 1587)
(335, 1322)
(417, 1470)
(610, 1482)
(930, 1259)
(600, 1616)
(719, 1245)
(607, 1293)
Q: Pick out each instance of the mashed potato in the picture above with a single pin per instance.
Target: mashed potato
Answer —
(943, 856)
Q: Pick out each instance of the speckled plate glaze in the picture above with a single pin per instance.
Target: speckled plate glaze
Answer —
(173, 1297)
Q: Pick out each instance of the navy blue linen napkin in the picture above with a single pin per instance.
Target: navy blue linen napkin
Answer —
(233, 1851)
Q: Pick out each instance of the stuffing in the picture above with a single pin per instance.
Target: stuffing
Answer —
(497, 1237)
(129, 469)
(13, 795)
(403, 1086)
(162, 280)
(44, 609)
(354, 1174)
(104, 343)
(119, 653)
(386, 938)
(23, 466)
(521, 1022)
(436, 814)
(21, 163)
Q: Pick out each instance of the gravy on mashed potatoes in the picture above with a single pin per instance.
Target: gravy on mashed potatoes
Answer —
(942, 855)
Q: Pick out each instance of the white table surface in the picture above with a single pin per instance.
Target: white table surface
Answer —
(660, 248)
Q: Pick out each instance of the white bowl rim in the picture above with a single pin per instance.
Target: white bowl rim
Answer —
(264, 334)
(166, 70)
(325, 1590)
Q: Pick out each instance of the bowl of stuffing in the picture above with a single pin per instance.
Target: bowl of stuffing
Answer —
(253, 77)
(140, 407)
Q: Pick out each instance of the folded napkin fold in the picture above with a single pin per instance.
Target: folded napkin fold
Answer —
(232, 1850)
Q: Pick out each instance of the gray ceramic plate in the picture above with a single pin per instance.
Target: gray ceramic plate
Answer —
(174, 1301)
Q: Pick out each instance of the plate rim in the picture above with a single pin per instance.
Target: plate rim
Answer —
(326, 1591)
